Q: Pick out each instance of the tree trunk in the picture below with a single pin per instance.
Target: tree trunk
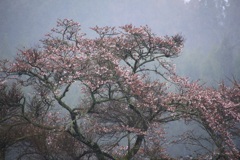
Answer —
(135, 148)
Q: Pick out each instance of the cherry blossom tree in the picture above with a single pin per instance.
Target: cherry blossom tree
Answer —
(123, 77)
(215, 110)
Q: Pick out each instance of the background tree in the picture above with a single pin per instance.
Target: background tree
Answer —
(216, 50)
(27, 140)
(11, 122)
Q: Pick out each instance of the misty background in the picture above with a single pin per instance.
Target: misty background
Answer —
(210, 28)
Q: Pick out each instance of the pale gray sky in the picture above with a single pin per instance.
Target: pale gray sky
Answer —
(24, 22)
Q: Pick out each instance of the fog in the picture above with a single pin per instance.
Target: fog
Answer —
(210, 28)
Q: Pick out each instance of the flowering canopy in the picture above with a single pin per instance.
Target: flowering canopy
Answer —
(122, 107)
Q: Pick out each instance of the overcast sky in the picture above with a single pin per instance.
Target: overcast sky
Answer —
(24, 22)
